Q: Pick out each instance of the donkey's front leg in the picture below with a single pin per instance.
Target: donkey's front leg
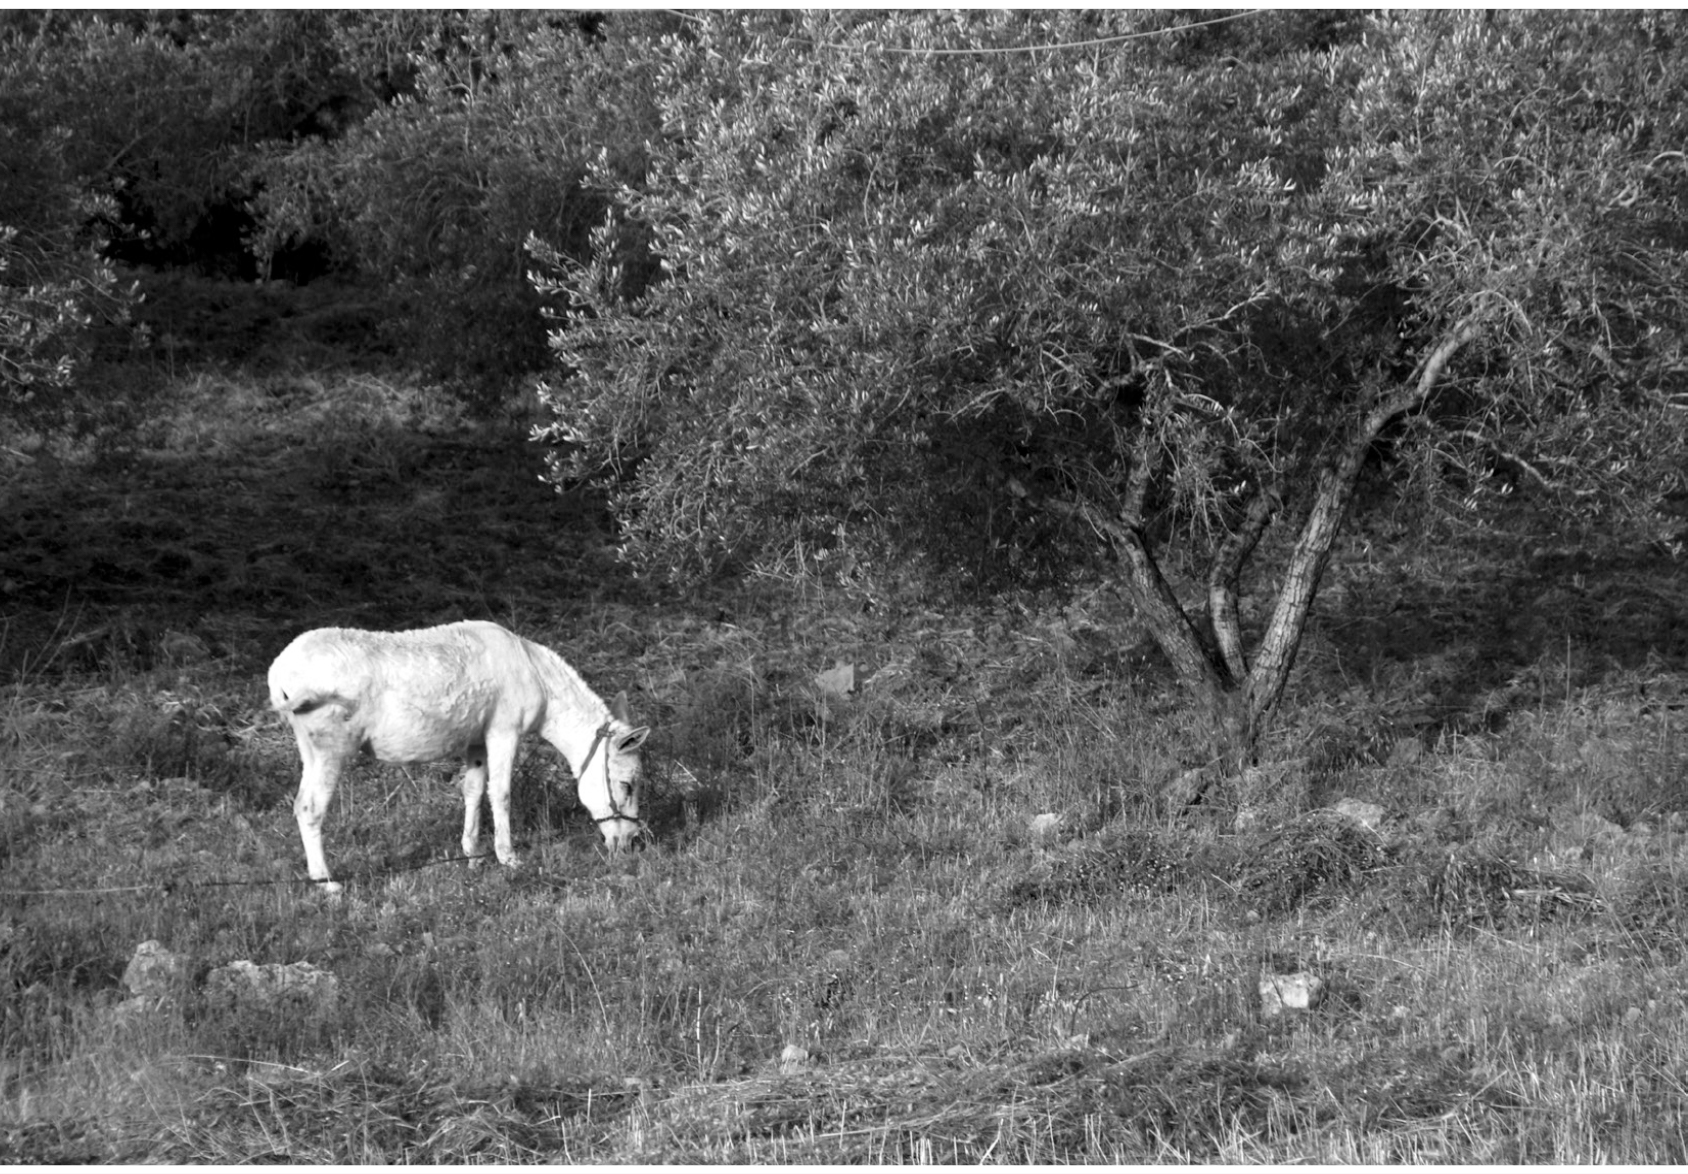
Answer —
(322, 757)
(474, 786)
(500, 763)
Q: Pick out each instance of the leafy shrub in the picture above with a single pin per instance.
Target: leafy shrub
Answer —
(48, 302)
(439, 191)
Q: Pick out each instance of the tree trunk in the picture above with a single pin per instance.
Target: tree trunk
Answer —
(1266, 680)
(1173, 632)
(1226, 572)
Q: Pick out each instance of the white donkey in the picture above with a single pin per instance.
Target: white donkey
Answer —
(468, 690)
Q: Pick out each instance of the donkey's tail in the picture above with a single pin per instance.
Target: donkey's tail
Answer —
(302, 701)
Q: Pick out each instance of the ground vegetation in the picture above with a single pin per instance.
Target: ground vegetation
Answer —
(850, 938)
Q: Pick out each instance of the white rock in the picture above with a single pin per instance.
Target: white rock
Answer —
(1367, 815)
(837, 681)
(582, 905)
(1182, 791)
(1045, 825)
(1281, 993)
(1405, 752)
(155, 974)
(296, 988)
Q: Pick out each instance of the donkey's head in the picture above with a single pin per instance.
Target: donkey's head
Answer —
(609, 782)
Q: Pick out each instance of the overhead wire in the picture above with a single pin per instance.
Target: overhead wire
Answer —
(1085, 44)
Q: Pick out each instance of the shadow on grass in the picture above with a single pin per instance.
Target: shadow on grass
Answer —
(340, 520)
(1483, 631)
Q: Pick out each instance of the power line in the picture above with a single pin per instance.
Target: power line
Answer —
(1113, 40)
(1082, 44)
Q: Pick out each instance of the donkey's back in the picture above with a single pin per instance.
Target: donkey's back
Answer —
(410, 696)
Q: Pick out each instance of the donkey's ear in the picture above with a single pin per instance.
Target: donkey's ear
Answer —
(633, 739)
(618, 708)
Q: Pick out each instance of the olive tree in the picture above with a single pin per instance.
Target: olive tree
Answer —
(1012, 288)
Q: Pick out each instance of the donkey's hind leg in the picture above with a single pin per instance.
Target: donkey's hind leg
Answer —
(474, 786)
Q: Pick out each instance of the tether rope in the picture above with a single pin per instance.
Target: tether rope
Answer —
(174, 886)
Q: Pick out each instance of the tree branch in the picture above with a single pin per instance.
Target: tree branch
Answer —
(1506, 456)
(1168, 624)
(1137, 480)
(1227, 569)
(1266, 680)
(1416, 392)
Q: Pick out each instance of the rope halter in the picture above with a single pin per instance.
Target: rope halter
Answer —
(599, 738)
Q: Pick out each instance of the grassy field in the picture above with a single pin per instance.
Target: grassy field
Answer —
(846, 942)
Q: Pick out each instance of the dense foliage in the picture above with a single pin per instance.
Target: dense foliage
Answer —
(975, 298)
(436, 192)
(124, 139)
(941, 286)
(411, 150)
(47, 302)
(157, 114)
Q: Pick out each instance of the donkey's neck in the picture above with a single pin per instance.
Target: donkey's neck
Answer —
(573, 712)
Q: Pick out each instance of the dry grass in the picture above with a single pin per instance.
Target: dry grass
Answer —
(845, 943)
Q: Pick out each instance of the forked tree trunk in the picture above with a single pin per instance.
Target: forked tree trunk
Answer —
(1236, 696)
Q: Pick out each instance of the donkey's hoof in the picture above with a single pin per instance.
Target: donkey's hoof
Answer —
(477, 861)
(332, 889)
